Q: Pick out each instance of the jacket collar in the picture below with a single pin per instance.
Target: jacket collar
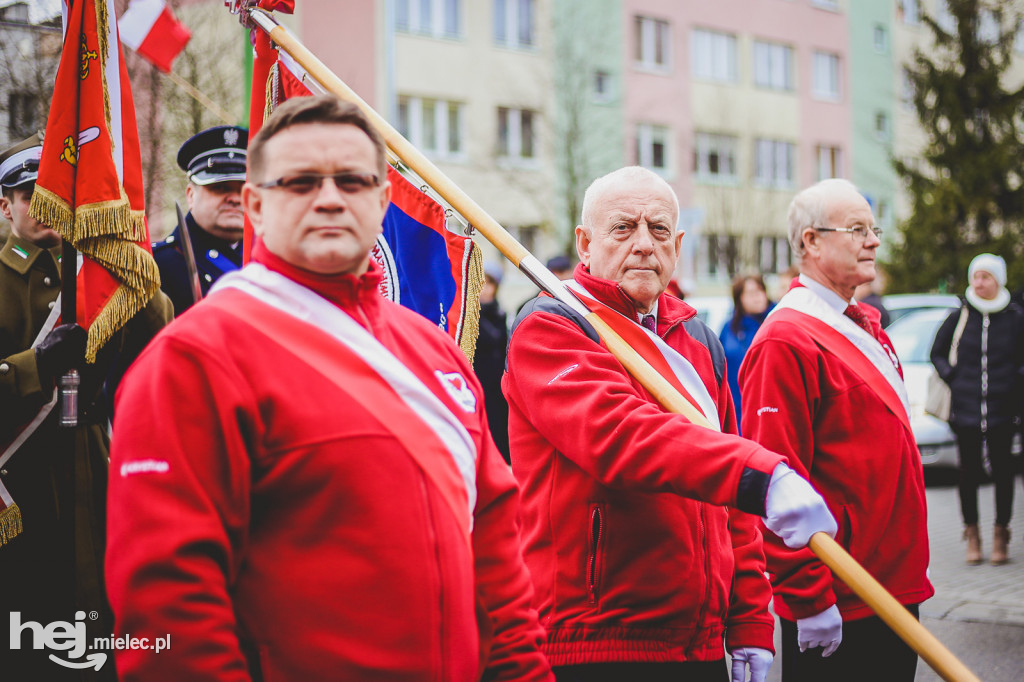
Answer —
(670, 309)
(20, 255)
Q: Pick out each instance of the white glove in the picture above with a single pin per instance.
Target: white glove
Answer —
(759, 660)
(795, 510)
(824, 629)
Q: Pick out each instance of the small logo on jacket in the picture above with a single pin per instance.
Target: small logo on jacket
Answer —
(762, 410)
(458, 389)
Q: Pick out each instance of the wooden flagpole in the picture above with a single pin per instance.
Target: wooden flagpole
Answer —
(828, 550)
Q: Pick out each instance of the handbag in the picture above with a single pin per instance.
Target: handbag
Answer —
(939, 398)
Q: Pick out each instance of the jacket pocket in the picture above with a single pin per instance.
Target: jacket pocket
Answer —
(595, 547)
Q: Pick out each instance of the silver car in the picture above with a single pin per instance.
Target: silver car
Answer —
(912, 337)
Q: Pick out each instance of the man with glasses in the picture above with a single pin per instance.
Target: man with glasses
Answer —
(215, 162)
(826, 389)
(303, 482)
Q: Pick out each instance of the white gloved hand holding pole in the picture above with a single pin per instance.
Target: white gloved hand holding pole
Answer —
(795, 511)
(824, 629)
(759, 661)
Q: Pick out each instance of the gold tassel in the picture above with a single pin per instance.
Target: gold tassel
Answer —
(473, 285)
(271, 99)
(10, 524)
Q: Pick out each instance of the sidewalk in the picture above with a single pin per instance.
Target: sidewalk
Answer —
(985, 593)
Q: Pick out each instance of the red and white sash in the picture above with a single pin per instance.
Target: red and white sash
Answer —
(804, 300)
(425, 427)
(667, 361)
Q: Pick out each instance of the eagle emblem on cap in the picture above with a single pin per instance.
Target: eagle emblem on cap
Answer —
(231, 137)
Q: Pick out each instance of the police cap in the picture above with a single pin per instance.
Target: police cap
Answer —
(19, 165)
(215, 155)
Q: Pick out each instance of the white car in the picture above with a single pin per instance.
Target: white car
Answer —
(912, 337)
(714, 311)
(899, 305)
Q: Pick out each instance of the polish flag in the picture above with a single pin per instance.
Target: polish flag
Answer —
(149, 28)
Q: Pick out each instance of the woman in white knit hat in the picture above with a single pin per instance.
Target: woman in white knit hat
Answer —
(986, 377)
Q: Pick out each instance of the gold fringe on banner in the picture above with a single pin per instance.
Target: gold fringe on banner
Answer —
(273, 82)
(107, 233)
(10, 524)
(473, 285)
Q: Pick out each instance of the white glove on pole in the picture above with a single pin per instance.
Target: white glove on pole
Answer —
(759, 660)
(824, 629)
(795, 511)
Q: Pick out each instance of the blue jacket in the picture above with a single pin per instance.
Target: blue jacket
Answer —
(736, 345)
(214, 257)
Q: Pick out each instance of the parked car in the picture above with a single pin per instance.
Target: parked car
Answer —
(912, 336)
(714, 311)
(899, 305)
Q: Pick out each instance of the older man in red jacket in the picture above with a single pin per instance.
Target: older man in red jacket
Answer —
(639, 574)
(824, 387)
(303, 485)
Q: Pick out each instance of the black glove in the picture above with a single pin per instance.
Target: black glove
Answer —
(62, 349)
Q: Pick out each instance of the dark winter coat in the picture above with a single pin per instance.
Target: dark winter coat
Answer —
(988, 380)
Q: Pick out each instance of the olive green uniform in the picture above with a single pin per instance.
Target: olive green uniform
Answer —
(57, 478)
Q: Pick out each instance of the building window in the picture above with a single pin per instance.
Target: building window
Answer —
(437, 18)
(602, 86)
(881, 39)
(774, 163)
(652, 43)
(907, 90)
(652, 147)
(773, 254)
(909, 11)
(714, 157)
(513, 23)
(830, 162)
(433, 125)
(881, 125)
(23, 114)
(714, 56)
(826, 76)
(773, 65)
(527, 236)
(882, 214)
(516, 133)
(720, 255)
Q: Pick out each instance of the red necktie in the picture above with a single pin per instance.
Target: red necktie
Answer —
(857, 315)
(649, 322)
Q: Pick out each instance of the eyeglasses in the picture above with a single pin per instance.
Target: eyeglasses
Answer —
(349, 182)
(858, 231)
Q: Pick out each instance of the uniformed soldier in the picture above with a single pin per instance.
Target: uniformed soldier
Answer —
(52, 525)
(215, 162)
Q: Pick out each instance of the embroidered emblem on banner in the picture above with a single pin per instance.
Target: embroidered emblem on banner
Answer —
(458, 389)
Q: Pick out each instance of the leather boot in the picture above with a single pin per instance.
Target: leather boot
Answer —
(1000, 541)
(973, 537)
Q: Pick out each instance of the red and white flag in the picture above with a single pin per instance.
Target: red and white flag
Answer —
(149, 28)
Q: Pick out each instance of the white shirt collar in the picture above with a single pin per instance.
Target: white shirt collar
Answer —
(654, 311)
(834, 300)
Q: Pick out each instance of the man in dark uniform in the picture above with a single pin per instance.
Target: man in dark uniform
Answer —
(215, 162)
(52, 527)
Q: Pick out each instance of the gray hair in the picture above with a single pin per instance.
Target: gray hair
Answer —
(626, 174)
(810, 207)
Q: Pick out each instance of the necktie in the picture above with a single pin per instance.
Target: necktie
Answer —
(649, 322)
(857, 315)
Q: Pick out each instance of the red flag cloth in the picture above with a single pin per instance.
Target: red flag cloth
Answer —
(89, 187)
(149, 28)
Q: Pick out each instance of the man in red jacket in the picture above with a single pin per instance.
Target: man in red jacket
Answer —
(825, 388)
(639, 574)
(303, 485)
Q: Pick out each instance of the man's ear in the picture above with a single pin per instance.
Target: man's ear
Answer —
(190, 194)
(811, 240)
(252, 204)
(5, 208)
(583, 245)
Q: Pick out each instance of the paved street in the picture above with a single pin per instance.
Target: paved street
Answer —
(977, 611)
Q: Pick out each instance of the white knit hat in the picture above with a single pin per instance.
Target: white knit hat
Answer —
(990, 263)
